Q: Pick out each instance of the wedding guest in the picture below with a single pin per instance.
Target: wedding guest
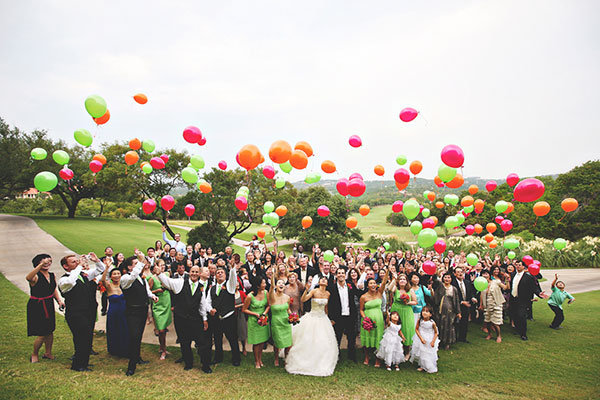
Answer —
(256, 306)
(242, 321)
(425, 348)
(161, 310)
(117, 334)
(294, 289)
(447, 309)
(523, 287)
(281, 330)
(556, 300)
(390, 348)
(176, 244)
(370, 307)
(466, 298)
(404, 298)
(491, 305)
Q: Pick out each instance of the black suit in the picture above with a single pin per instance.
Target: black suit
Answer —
(527, 287)
(310, 271)
(344, 325)
(463, 323)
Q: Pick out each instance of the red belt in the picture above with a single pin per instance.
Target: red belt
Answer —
(44, 303)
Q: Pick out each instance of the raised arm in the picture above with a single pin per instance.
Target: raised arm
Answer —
(173, 284)
(97, 269)
(384, 281)
(232, 280)
(307, 294)
(32, 277)
(554, 281)
(66, 283)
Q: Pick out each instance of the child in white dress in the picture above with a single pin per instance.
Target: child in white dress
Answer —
(425, 343)
(390, 347)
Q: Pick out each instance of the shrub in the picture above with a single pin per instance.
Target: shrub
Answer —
(526, 235)
(395, 244)
(396, 219)
(214, 236)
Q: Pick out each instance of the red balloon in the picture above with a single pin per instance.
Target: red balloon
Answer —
(470, 229)
(408, 114)
(222, 165)
(401, 176)
(490, 186)
(323, 211)
(241, 203)
(149, 206)
(534, 269)
(356, 188)
(95, 166)
(428, 223)
(167, 202)
(355, 141)
(202, 141)
(269, 172)
(66, 173)
(453, 156)
(429, 267)
(499, 219)
(440, 246)
(528, 190)
(342, 186)
(157, 163)
(165, 158)
(192, 134)
(506, 225)
(397, 206)
(512, 179)
(355, 175)
(527, 260)
(189, 210)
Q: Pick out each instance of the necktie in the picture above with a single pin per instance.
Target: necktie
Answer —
(193, 288)
(81, 278)
(218, 289)
(462, 289)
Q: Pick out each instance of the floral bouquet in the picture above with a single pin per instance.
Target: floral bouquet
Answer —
(293, 318)
(263, 320)
(404, 298)
(368, 324)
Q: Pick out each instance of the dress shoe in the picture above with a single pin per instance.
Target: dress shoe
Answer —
(93, 353)
(85, 369)
(524, 338)
(236, 364)
(72, 357)
(179, 360)
(142, 362)
(187, 368)
(129, 372)
(207, 370)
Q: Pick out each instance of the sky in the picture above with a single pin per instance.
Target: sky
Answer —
(515, 84)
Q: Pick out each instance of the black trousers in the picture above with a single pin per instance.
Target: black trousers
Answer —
(463, 323)
(104, 301)
(92, 319)
(559, 316)
(79, 323)
(518, 311)
(227, 326)
(136, 322)
(188, 331)
(347, 326)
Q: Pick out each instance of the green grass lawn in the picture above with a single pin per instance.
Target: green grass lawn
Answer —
(552, 364)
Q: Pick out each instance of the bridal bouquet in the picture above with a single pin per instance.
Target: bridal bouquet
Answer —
(293, 318)
(263, 320)
(368, 324)
(404, 298)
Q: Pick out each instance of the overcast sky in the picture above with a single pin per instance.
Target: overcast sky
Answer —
(514, 83)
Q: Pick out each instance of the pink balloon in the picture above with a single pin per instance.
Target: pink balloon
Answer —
(440, 185)
(534, 269)
(165, 158)
(408, 114)
(202, 141)
(355, 175)
(356, 188)
(355, 141)
(527, 260)
(453, 156)
(189, 210)
(512, 179)
(428, 223)
(191, 134)
(490, 186)
(401, 176)
(323, 211)
(149, 206)
(465, 214)
(440, 246)
(499, 219)
(268, 171)
(470, 229)
(241, 203)
(167, 202)
(95, 166)
(478, 210)
(529, 190)
(157, 163)
(237, 159)
(342, 186)
(66, 174)
(429, 267)
(223, 165)
(397, 206)
(506, 225)
(421, 208)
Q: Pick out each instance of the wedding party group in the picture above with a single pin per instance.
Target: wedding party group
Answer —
(303, 305)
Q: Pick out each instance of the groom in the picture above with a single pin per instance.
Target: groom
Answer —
(343, 312)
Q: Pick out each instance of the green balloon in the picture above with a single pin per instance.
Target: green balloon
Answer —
(401, 160)
(273, 219)
(469, 209)
(411, 209)
(425, 193)
(45, 181)
(265, 218)
(328, 255)
(416, 227)
(426, 212)
(197, 161)
(560, 243)
(501, 206)
(446, 173)
(148, 145)
(286, 167)
(38, 153)
(279, 183)
(312, 178)
(386, 246)
(460, 218)
(427, 238)
(451, 222)
(244, 189)
(189, 175)
(480, 283)
(511, 243)
(60, 157)
(511, 255)
(269, 207)
(83, 137)
(147, 168)
(242, 194)
(451, 199)
(95, 106)
(472, 259)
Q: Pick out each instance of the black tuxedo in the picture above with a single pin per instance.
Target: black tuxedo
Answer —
(310, 271)
(344, 324)
(224, 322)
(526, 289)
(464, 310)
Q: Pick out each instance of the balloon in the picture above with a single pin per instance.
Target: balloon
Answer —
(511, 243)
(489, 237)
(434, 219)
(446, 173)
(164, 158)
(559, 243)
(480, 283)
(386, 246)
(416, 227)
(472, 259)
(103, 119)
(479, 204)
(66, 174)
(401, 186)
(328, 255)
(351, 222)
(466, 201)
(416, 167)
(491, 227)
(501, 206)
(469, 209)
(131, 157)
(512, 179)
(241, 203)
(149, 206)
(342, 186)
(541, 208)
(456, 182)
(192, 134)
(428, 223)
(355, 175)
(410, 209)
(261, 233)
(401, 175)
(306, 222)
(439, 204)
(38, 153)
(202, 141)
(569, 204)
(45, 181)
(95, 106)
(356, 187)
(427, 238)
(148, 145)
(140, 98)
(157, 162)
(453, 156)
(401, 160)
(493, 244)
(438, 182)
(473, 189)
(511, 255)
(425, 212)
(397, 206)
(364, 210)
(147, 168)
(249, 157)
(355, 141)
(189, 175)
(451, 199)
(167, 202)
(83, 137)
(328, 167)
(451, 222)
(279, 183)
(272, 219)
(510, 207)
(281, 210)
(189, 210)
(461, 218)
(298, 159)
(305, 147)
(431, 196)
(60, 157)
(478, 228)
(528, 190)
(490, 186)
(204, 186)
(379, 170)
(440, 246)
(408, 114)
(135, 144)
(268, 171)
(506, 225)
(313, 177)
(470, 229)
(197, 161)
(269, 207)
(95, 166)
(533, 269)
(429, 267)
(286, 167)
(499, 219)
(280, 151)
(527, 260)
(222, 165)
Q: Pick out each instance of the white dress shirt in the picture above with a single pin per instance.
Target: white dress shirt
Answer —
(515, 284)
(343, 290)
(463, 290)
(179, 246)
(230, 285)
(176, 285)
(67, 282)
(128, 279)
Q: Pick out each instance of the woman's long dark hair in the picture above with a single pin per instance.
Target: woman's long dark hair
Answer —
(256, 282)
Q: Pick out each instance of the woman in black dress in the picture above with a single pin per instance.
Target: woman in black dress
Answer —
(40, 307)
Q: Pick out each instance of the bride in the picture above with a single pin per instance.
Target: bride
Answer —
(314, 347)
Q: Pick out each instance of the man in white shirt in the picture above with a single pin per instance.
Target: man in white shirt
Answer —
(343, 312)
(325, 271)
(522, 289)
(177, 244)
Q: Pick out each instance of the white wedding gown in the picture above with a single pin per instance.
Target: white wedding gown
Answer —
(314, 347)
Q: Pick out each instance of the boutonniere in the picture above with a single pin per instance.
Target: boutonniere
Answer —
(223, 287)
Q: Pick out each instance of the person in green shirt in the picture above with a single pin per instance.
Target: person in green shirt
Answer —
(556, 300)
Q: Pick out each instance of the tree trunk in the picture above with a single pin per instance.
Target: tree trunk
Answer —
(101, 208)
(72, 209)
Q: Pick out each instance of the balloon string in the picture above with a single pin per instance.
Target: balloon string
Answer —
(536, 219)
(562, 217)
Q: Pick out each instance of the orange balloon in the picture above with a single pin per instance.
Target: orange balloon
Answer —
(431, 196)
(205, 187)
(541, 208)
(261, 233)
(456, 182)
(280, 151)
(478, 204)
(281, 211)
(249, 157)
(491, 227)
(473, 189)
(135, 144)
(306, 222)
(510, 208)
(493, 244)
(131, 157)
(489, 237)
(402, 186)
(478, 228)
(439, 204)
(328, 166)
(99, 157)
(569, 204)
(103, 119)
(305, 147)
(466, 201)
(298, 159)
(379, 170)
(262, 159)
(140, 98)
(434, 219)
(437, 181)
(364, 210)
(351, 222)
(416, 167)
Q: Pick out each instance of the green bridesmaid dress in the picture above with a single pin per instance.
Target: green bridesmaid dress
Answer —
(373, 311)
(161, 310)
(257, 334)
(281, 329)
